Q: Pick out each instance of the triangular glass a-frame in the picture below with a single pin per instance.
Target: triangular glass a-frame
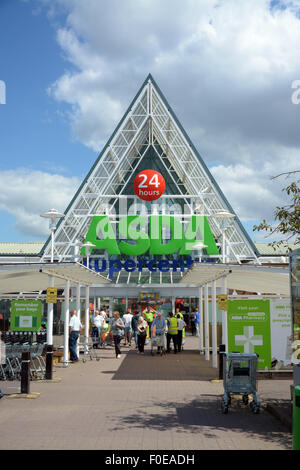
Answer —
(149, 136)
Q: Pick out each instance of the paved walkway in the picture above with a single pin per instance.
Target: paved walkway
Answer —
(139, 402)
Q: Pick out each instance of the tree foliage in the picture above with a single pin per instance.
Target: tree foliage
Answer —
(287, 218)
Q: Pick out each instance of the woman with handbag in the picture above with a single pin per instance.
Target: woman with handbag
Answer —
(141, 334)
(117, 329)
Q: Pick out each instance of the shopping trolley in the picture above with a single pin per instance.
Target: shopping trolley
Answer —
(86, 345)
(158, 341)
(11, 370)
(239, 378)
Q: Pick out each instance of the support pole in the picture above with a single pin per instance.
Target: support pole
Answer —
(78, 313)
(214, 325)
(66, 324)
(221, 360)
(201, 318)
(173, 305)
(206, 322)
(87, 317)
(224, 316)
(50, 316)
(49, 362)
(25, 372)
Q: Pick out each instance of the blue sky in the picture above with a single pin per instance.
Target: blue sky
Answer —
(33, 129)
(71, 68)
(33, 132)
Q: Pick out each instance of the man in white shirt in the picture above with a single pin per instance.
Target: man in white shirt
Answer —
(97, 322)
(180, 325)
(103, 314)
(74, 330)
(127, 317)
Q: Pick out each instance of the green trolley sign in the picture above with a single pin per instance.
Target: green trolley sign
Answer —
(26, 315)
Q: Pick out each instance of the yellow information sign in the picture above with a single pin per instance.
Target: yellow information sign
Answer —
(222, 301)
(51, 295)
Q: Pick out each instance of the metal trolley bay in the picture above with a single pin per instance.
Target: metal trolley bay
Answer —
(239, 378)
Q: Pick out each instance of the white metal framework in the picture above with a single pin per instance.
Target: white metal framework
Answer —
(148, 123)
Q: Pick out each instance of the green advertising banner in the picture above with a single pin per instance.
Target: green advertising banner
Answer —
(26, 315)
(249, 329)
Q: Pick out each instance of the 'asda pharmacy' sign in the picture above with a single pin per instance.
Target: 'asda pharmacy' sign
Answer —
(262, 327)
(155, 234)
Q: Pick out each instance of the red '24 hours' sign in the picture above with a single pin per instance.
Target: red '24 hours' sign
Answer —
(149, 185)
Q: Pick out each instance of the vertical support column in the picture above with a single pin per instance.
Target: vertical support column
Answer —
(78, 313)
(224, 316)
(214, 324)
(87, 318)
(50, 316)
(66, 324)
(25, 372)
(110, 306)
(206, 322)
(201, 318)
(173, 304)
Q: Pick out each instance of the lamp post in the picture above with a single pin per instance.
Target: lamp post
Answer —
(52, 215)
(88, 246)
(223, 215)
(199, 246)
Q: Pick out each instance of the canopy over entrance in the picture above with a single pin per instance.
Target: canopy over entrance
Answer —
(35, 277)
(258, 279)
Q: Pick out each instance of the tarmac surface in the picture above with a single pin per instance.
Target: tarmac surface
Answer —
(139, 403)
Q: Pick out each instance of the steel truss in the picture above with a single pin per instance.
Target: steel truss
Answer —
(148, 123)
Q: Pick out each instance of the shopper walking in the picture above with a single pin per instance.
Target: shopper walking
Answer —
(134, 323)
(197, 322)
(193, 324)
(159, 327)
(180, 326)
(172, 332)
(117, 328)
(141, 333)
(96, 328)
(74, 331)
(127, 319)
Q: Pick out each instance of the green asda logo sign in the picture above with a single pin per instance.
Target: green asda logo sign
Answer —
(158, 234)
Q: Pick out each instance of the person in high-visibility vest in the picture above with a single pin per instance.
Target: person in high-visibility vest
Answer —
(178, 313)
(172, 333)
(149, 314)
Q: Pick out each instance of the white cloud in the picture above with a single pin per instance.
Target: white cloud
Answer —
(225, 66)
(26, 194)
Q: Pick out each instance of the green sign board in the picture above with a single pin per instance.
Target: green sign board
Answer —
(147, 235)
(249, 329)
(26, 315)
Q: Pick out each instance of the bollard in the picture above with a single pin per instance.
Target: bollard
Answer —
(296, 418)
(222, 349)
(49, 362)
(25, 373)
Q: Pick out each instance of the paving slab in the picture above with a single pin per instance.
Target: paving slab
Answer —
(140, 402)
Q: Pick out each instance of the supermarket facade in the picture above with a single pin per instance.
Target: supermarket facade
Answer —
(147, 215)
